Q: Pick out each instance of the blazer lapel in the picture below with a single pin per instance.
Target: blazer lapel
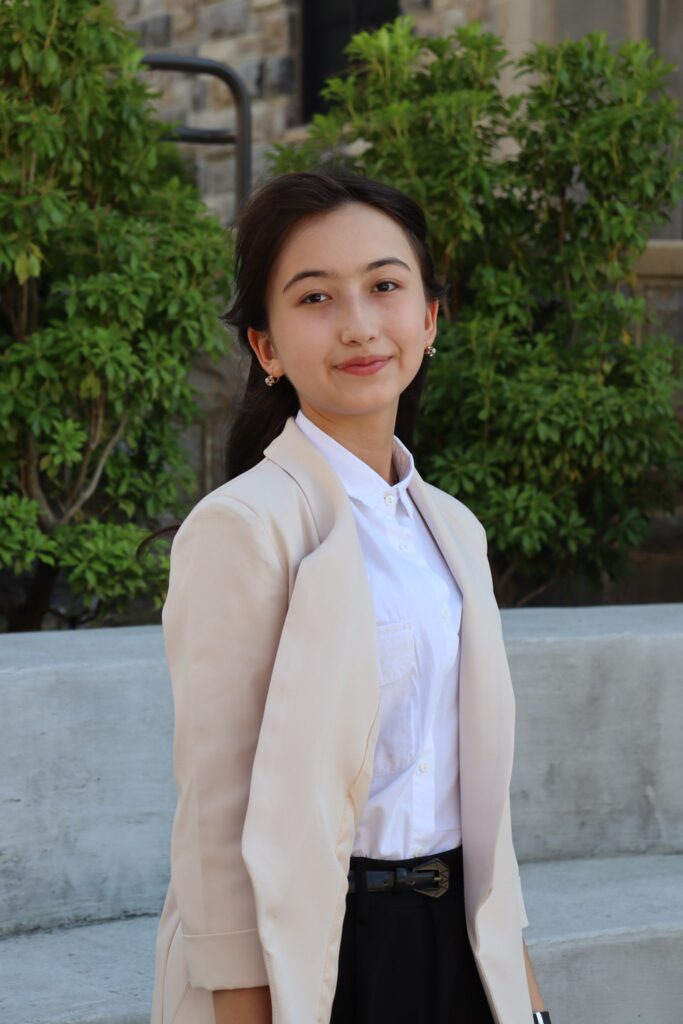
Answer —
(486, 706)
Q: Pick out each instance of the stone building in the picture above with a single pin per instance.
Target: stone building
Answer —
(284, 50)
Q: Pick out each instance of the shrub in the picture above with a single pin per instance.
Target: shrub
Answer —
(541, 411)
(109, 273)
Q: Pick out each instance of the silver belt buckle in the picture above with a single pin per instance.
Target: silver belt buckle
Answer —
(441, 877)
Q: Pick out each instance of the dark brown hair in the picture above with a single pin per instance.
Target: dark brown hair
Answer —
(266, 222)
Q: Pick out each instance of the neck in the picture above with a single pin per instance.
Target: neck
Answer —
(370, 438)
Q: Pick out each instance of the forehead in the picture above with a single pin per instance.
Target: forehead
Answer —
(342, 240)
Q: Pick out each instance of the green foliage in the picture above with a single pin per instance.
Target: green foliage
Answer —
(541, 412)
(110, 275)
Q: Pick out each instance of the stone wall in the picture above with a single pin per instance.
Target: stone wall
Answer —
(259, 39)
(262, 41)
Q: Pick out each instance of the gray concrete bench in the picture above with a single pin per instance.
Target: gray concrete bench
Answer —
(87, 798)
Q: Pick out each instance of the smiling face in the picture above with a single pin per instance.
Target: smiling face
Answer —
(345, 289)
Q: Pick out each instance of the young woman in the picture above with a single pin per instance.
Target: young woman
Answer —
(341, 851)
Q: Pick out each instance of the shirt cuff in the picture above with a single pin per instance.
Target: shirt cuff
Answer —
(231, 960)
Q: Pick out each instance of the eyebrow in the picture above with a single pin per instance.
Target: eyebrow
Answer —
(386, 260)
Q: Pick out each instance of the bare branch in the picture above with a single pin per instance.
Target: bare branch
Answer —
(47, 517)
(58, 614)
(90, 489)
(96, 420)
(85, 619)
(538, 590)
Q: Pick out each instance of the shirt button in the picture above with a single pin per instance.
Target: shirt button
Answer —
(444, 612)
(424, 766)
(404, 547)
(418, 850)
(389, 499)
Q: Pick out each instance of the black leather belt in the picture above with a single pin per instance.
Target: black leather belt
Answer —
(430, 878)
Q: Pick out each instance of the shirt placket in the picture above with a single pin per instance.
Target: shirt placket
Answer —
(424, 799)
(424, 776)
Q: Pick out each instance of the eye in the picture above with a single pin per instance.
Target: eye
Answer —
(393, 284)
(313, 295)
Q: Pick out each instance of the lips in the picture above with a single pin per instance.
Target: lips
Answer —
(362, 361)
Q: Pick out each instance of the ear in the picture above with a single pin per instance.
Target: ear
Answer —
(264, 351)
(431, 314)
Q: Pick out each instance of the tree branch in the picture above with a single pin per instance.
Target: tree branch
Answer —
(85, 619)
(74, 621)
(539, 590)
(96, 420)
(47, 517)
(90, 489)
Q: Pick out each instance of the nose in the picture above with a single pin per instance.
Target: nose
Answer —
(358, 325)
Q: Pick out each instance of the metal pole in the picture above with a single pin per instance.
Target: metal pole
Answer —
(215, 136)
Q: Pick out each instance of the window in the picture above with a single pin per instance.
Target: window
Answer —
(327, 27)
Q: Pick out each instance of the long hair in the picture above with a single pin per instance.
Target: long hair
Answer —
(266, 221)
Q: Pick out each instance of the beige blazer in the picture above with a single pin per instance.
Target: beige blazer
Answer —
(270, 640)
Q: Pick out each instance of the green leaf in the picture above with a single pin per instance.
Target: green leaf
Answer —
(22, 267)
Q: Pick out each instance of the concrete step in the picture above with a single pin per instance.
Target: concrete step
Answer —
(606, 937)
(93, 974)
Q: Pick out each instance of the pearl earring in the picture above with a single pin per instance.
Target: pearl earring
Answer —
(430, 350)
(270, 380)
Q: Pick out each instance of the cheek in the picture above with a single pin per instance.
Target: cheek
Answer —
(406, 317)
(408, 329)
(299, 340)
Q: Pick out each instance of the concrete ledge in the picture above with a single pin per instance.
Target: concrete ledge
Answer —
(598, 755)
(606, 937)
(87, 793)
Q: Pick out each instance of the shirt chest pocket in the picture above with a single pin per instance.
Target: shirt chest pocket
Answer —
(399, 725)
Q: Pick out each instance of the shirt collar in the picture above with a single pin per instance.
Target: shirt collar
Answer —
(360, 481)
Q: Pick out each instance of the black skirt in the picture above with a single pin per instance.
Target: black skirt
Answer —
(405, 957)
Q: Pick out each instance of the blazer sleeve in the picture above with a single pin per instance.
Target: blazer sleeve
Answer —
(222, 619)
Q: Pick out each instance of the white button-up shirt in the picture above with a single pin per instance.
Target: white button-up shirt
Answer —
(413, 806)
